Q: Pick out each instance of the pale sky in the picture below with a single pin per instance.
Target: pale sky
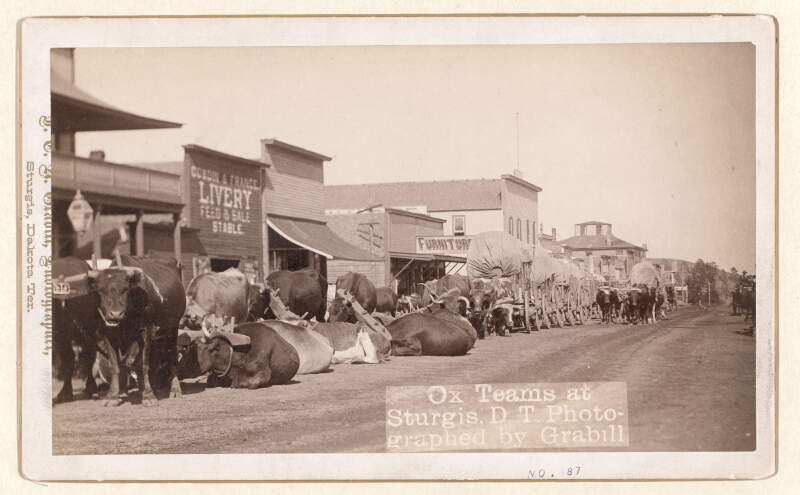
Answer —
(658, 140)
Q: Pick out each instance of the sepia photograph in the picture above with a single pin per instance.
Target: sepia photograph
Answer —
(427, 248)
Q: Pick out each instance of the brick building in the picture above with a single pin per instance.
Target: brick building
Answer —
(596, 249)
(423, 229)
(471, 206)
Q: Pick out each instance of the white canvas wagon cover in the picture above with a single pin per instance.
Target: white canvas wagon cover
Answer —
(644, 273)
(495, 254)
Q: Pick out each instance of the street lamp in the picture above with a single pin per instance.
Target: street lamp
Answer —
(80, 213)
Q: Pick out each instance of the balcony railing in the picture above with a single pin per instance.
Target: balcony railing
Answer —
(107, 178)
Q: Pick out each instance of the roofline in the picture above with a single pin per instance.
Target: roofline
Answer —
(521, 182)
(411, 182)
(295, 149)
(594, 222)
(601, 248)
(467, 209)
(155, 123)
(414, 215)
(225, 156)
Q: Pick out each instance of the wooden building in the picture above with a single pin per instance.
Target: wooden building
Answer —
(110, 188)
(394, 236)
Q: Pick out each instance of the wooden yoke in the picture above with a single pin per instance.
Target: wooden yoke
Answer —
(362, 315)
(280, 310)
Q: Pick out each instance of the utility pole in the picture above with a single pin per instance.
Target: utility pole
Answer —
(709, 292)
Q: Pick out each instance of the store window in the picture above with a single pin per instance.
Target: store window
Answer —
(459, 225)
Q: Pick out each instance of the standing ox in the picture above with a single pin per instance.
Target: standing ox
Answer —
(672, 302)
(607, 299)
(302, 291)
(633, 305)
(453, 284)
(75, 319)
(227, 295)
(386, 301)
(141, 304)
(361, 288)
(252, 356)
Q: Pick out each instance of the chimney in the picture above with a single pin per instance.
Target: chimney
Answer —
(97, 155)
(553, 230)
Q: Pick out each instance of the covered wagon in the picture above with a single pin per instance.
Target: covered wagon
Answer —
(498, 266)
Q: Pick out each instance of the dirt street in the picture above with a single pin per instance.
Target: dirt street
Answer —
(690, 381)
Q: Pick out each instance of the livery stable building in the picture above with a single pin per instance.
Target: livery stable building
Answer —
(257, 215)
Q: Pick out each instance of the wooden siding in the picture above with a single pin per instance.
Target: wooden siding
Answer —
(375, 271)
(229, 225)
(292, 196)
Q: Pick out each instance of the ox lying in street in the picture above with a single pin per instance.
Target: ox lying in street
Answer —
(316, 353)
(141, 304)
(354, 343)
(253, 356)
(423, 334)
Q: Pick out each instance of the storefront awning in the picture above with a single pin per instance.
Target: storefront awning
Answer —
(411, 256)
(450, 258)
(75, 110)
(318, 238)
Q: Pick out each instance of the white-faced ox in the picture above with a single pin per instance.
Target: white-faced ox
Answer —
(227, 295)
(141, 304)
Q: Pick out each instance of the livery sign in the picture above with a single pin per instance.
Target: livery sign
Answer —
(444, 244)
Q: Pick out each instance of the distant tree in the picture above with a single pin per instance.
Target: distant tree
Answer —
(704, 276)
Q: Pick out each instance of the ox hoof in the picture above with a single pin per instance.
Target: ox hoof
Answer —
(63, 397)
(175, 394)
(115, 402)
(149, 401)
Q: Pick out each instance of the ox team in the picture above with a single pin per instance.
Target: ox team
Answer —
(135, 321)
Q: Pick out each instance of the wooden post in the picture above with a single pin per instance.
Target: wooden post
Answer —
(140, 233)
(176, 238)
(96, 231)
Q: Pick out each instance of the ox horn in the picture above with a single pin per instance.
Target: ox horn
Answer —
(466, 301)
(118, 258)
(204, 328)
